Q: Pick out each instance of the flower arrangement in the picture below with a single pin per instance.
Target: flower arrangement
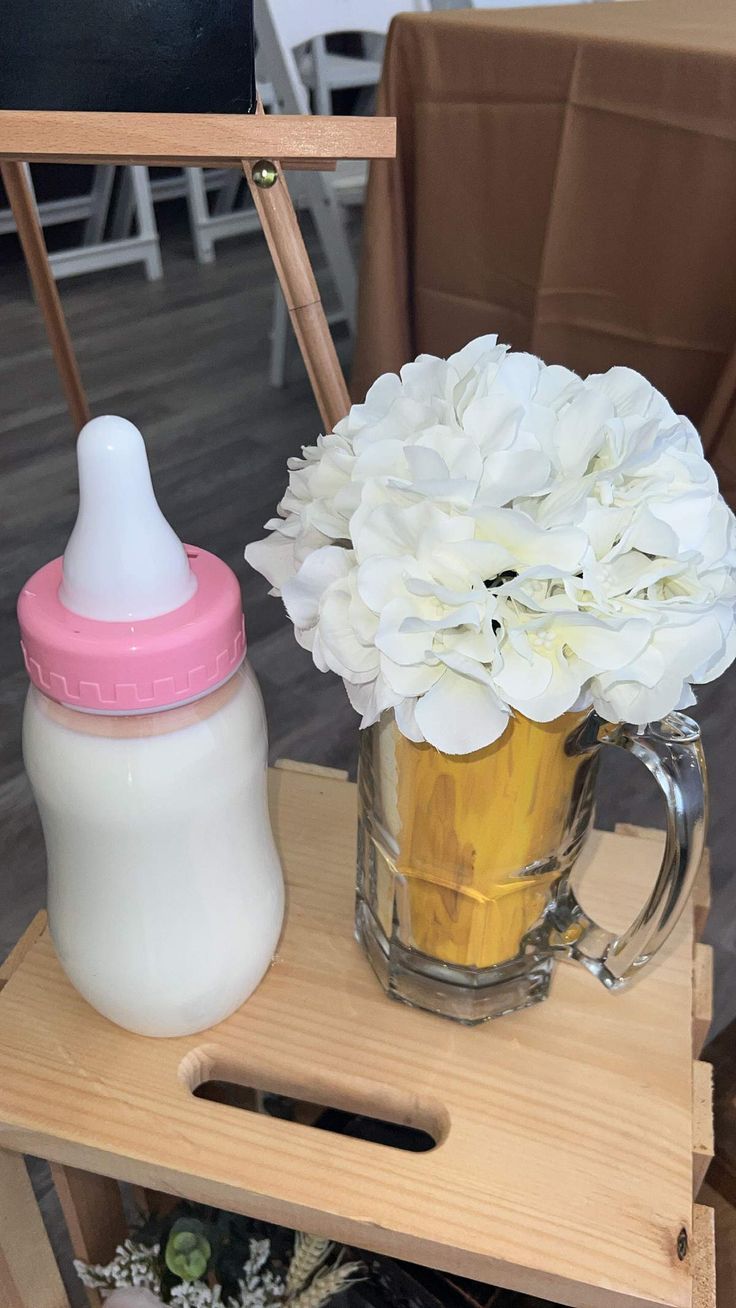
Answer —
(214, 1263)
(488, 535)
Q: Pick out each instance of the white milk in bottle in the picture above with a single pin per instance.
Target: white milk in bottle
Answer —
(144, 739)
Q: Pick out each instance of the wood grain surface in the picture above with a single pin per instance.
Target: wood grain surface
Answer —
(93, 1211)
(704, 1263)
(32, 240)
(29, 1277)
(702, 996)
(565, 1135)
(725, 1225)
(703, 1141)
(299, 288)
(211, 139)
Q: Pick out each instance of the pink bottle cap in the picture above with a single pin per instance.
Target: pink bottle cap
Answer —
(133, 667)
(130, 620)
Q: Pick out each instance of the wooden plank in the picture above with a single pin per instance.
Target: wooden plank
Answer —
(721, 1052)
(592, 1089)
(306, 165)
(207, 139)
(703, 1140)
(311, 769)
(17, 1223)
(31, 934)
(153, 1201)
(702, 996)
(297, 281)
(725, 1227)
(642, 833)
(702, 895)
(29, 1275)
(93, 1211)
(704, 1258)
(34, 249)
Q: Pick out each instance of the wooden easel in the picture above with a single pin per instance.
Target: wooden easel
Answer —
(255, 144)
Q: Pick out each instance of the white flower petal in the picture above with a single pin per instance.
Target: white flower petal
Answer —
(343, 652)
(409, 679)
(579, 432)
(604, 645)
(371, 699)
(459, 715)
(273, 557)
(522, 678)
(564, 547)
(511, 473)
(406, 720)
(403, 645)
(302, 593)
(465, 615)
(628, 701)
(564, 689)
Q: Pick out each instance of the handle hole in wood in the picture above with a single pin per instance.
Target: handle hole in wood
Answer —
(379, 1116)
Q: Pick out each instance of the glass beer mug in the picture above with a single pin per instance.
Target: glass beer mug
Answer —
(464, 897)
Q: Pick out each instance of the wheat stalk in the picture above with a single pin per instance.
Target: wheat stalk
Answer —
(327, 1283)
(309, 1253)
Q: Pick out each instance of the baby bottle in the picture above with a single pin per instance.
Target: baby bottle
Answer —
(144, 739)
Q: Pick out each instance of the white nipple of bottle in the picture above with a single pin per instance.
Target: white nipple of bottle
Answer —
(122, 561)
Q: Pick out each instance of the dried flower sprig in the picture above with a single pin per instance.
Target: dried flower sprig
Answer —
(327, 1283)
(309, 1254)
(309, 1282)
(134, 1264)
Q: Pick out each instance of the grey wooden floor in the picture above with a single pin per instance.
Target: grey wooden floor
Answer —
(186, 359)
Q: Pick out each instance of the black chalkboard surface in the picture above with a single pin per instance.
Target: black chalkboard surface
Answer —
(137, 56)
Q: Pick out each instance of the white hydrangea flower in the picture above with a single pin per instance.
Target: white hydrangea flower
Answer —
(487, 535)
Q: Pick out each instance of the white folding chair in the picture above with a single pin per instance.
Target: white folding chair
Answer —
(95, 252)
(283, 30)
(208, 222)
(324, 71)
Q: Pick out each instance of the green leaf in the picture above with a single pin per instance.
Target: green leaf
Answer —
(188, 1250)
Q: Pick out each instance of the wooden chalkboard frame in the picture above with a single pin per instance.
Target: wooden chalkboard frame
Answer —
(247, 141)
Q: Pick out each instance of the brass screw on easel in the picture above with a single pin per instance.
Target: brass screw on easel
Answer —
(265, 173)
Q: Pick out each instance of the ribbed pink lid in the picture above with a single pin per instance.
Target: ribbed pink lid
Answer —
(137, 666)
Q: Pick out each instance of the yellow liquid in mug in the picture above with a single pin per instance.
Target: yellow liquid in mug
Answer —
(469, 830)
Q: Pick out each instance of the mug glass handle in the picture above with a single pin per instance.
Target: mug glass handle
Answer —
(672, 751)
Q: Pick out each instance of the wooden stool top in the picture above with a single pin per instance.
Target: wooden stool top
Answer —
(565, 1133)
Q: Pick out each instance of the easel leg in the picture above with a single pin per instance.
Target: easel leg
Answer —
(37, 261)
(294, 271)
(29, 1276)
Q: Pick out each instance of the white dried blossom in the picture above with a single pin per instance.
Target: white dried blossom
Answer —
(258, 1287)
(487, 534)
(196, 1294)
(134, 1265)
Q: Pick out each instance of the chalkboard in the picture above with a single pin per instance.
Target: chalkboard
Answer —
(137, 56)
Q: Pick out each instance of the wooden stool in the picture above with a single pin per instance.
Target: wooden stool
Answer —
(719, 1190)
(570, 1137)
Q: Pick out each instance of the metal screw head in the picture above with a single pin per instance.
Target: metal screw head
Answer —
(265, 173)
(682, 1245)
